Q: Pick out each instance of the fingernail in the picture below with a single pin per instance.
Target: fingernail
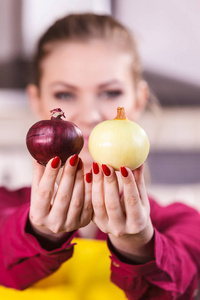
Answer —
(124, 172)
(80, 164)
(88, 177)
(73, 160)
(106, 170)
(95, 168)
(55, 162)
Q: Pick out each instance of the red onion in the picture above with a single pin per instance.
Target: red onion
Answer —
(56, 137)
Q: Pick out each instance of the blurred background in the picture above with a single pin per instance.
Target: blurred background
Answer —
(168, 35)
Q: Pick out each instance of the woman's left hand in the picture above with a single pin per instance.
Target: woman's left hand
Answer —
(125, 218)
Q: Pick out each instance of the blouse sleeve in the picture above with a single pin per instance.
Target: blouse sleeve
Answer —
(175, 271)
(22, 260)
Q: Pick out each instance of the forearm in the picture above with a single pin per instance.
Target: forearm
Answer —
(23, 261)
(174, 271)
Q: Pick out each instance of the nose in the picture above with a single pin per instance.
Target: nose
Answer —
(89, 113)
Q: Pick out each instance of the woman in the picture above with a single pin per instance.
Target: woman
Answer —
(88, 65)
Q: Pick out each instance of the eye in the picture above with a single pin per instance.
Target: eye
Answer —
(64, 95)
(111, 94)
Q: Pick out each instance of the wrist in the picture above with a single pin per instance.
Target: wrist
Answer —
(135, 248)
(47, 240)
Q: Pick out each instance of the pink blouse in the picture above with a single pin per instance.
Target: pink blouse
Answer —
(174, 274)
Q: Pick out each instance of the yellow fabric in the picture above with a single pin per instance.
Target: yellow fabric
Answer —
(84, 277)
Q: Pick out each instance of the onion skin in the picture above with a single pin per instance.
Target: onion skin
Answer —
(56, 137)
(119, 143)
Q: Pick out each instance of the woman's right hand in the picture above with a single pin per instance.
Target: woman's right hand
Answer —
(69, 207)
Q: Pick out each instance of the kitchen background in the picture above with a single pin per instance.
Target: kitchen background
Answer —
(168, 34)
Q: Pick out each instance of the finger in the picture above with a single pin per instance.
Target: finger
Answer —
(87, 211)
(98, 194)
(64, 192)
(77, 200)
(138, 173)
(112, 198)
(132, 201)
(41, 202)
(139, 179)
(38, 171)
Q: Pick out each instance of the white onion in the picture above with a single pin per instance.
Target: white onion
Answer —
(119, 143)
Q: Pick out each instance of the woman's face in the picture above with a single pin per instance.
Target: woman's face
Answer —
(88, 81)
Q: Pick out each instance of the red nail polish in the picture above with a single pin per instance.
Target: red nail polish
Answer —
(95, 168)
(55, 162)
(73, 160)
(80, 164)
(106, 170)
(88, 177)
(124, 171)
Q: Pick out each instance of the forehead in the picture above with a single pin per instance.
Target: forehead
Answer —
(81, 60)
